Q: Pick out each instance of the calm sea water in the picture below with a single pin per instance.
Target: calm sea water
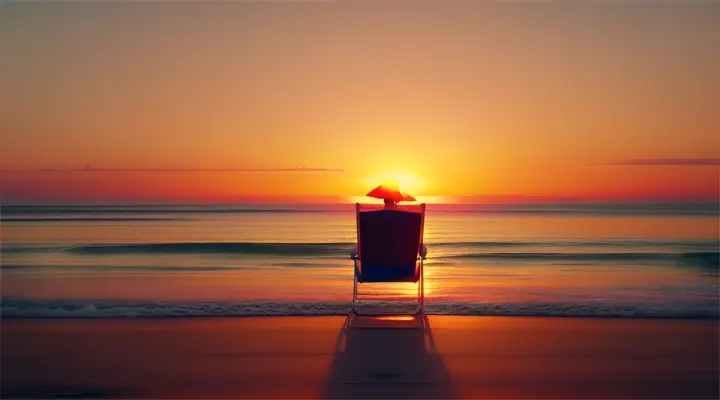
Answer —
(581, 260)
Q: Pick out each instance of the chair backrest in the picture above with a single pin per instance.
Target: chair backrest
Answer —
(390, 238)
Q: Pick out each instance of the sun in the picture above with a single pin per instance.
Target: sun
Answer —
(405, 181)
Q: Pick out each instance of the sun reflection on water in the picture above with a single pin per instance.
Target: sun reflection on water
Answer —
(396, 318)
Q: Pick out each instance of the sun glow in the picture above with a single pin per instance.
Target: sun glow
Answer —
(419, 199)
(405, 181)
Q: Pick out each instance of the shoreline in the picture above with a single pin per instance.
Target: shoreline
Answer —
(17, 308)
(200, 317)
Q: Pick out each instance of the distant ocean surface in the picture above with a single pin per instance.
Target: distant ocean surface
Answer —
(655, 261)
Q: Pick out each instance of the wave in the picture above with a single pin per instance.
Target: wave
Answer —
(91, 219)
(705, 259)
(709, 261)
(695, 253)
(259, 248)
(624, 242)
(165, 268)
(129, 268)
(715, 257)
(26, 308)
(59, 210)
(341, 247)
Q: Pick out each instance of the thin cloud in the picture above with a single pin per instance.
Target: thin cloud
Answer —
(94, 169)
(681, 162)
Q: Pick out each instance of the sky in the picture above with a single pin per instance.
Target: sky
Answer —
(309, 101)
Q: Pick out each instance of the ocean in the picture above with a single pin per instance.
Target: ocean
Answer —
(588, 260)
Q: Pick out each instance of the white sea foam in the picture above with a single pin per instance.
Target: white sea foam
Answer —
(26, 308)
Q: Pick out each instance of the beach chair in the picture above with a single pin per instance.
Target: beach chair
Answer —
(389, 248)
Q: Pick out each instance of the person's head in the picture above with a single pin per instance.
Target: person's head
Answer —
(389, 202)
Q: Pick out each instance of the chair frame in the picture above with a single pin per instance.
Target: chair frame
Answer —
(419, 265)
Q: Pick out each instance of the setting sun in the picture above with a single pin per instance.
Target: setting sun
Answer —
(403, 180)
(408, 182)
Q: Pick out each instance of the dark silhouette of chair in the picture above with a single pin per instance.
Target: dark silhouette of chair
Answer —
(388, 361)
(390, 248)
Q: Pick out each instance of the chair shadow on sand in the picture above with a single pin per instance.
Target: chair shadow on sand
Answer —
(387, 357)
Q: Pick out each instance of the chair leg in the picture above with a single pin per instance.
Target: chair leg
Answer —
(422, 287)
(355, 287)
(419, 292)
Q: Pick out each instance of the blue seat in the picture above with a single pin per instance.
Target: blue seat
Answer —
(374, 273)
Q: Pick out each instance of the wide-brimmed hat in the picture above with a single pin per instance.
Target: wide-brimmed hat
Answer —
(389, 192)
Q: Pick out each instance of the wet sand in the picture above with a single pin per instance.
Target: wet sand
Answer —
(316, 357)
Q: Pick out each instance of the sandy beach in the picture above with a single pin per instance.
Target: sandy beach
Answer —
(315, 357)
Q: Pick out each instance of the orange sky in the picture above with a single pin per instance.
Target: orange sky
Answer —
(501, 100)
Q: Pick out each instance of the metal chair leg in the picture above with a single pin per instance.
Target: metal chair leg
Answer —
(422, 287)
(421, 291)
(355, 288)
(354, 298)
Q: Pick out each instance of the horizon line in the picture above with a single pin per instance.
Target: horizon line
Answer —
(89, 168)
(701, 202)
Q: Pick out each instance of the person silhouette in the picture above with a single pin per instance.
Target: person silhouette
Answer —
(390, 195)
(390, 204)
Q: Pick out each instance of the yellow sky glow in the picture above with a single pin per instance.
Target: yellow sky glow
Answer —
(450, 99)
